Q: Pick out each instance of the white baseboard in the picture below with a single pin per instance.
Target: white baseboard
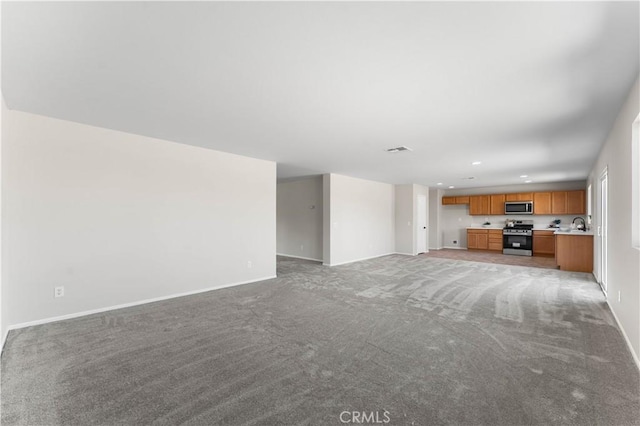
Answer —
(455, 248)
(626, 338)
(125, 305)
(299, 257)
(359, 260)
(412, 254)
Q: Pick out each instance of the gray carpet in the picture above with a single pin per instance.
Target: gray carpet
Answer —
(416, 340)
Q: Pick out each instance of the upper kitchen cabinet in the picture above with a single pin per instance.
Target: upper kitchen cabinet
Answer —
(448, 200)
(568, 202)
(479, 205)
(549, 203)
(521, 196)
(496, 204)
(455, 200)
(559, 202)
(576, 202)
(542, 203)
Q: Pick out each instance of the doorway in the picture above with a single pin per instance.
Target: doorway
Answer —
(603, 229)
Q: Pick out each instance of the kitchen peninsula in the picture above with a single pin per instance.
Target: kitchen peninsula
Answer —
(574, 250)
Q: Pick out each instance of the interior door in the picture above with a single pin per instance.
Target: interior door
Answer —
(422, 238)
(602, 229)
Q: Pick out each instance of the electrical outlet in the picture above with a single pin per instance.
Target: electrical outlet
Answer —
(249, 264)
(618, 295)
(301, 247)
(58, 291)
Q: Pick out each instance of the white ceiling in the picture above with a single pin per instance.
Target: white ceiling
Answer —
(526, 88)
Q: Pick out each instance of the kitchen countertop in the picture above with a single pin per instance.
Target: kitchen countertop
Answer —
(578, 233)
(556, 231)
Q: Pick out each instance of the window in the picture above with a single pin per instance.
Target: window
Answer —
(589, 206)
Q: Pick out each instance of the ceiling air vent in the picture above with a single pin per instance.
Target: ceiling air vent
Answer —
(399, 149)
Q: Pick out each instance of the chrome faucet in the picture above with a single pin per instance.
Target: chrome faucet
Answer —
(581, 226)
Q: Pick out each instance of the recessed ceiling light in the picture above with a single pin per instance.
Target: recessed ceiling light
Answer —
(451, 187)
(475, 163)
(524, 176)
(528, 181)
(439, 183)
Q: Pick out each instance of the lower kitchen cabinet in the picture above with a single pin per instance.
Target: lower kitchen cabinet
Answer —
(477, 239)
(495, 239)
(544, 243)
(484, 239)
(574, 252)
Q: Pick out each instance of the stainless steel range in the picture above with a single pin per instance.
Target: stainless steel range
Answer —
(517, 237)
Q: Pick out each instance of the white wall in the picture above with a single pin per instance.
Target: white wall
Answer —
(404, 220)
(299, 218)
(623, 259)
(435, 232)
(406, 213)
(118, 218)
(3, 302)
(360, 218)
(326, 219)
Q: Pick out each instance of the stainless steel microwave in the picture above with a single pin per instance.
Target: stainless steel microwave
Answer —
(518, 207)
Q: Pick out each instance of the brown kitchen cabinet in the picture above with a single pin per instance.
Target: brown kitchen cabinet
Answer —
(576, 202)
(450, 200)
(574, 252)
(568, 202)
(478, 205)
(477, 239)
(542, 203)
(495, 239)
(520, 196)
(548, 203)
(544, 243)
(559, 202)
(484, 239)
(496, 204)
